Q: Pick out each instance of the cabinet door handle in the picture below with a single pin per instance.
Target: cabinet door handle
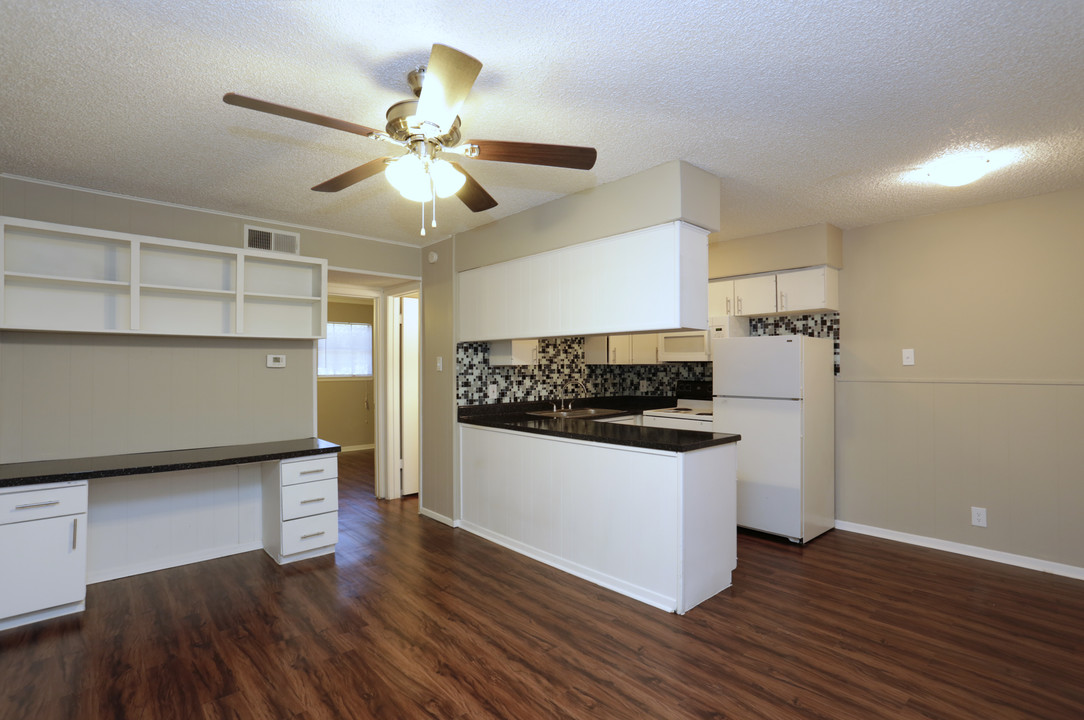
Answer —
(728, 306)
(311, 472)
(31, 506)
(782, 301)
(75, 532)
(312, 500)
(739, 305)
(312, 535)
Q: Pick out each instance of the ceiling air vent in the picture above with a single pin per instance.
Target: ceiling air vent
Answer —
(274, 240)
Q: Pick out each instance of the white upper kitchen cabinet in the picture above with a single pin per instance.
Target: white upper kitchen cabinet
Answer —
(721, 298)
(639, 349)
(639, 281)
(811, 289)
(754, 295)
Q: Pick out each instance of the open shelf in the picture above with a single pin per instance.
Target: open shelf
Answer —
(57, 277)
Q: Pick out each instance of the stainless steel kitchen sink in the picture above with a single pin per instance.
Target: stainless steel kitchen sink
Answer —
(577, 413)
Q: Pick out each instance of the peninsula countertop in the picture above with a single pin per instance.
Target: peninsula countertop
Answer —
(514, 416)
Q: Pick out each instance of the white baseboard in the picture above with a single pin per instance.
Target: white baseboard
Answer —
(426, 512)
(609, 582)
(352, 448)
(974, 551)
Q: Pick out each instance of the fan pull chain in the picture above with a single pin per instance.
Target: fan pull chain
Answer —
(433, 190)
(423, 218)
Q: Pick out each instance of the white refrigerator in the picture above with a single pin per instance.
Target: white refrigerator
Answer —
(778, 393)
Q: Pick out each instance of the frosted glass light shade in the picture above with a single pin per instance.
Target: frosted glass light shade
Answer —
(446, 179)
(961, 168)
(407, 175)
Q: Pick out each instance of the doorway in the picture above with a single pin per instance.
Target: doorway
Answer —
(393, 432)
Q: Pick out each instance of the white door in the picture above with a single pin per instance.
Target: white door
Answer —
(409, 406)
(769, 461)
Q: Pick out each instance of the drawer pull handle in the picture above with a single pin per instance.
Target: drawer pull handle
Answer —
(311, 472)
(312, 535)
(312, 500)
(31, 506)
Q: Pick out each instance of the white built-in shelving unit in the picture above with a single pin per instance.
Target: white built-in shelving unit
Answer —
(63, 278)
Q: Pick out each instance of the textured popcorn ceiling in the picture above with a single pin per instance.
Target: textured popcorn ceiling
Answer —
(808, 111)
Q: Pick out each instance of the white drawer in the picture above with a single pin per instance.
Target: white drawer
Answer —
(311, 498)
(27, 503)
(309, 469)
(309, 533)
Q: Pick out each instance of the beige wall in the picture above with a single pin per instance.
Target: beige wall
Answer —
(991, 414)
(346, 406)
(795, 248)
(672, 191)
(70, 206)
(438, 436)
(75, 395)
(68, 395)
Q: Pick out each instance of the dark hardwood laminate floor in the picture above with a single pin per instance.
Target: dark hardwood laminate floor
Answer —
(411, 619)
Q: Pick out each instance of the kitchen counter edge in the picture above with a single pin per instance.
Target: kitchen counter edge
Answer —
(49, 471)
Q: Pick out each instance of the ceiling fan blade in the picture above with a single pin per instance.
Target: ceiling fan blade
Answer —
(295, 114)
(472, 194)
(351, 177)
(449, 77)
(567, 156)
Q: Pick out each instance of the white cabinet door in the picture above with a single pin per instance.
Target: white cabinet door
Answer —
(644, 349)
(513, 352)
(721, 298)
(44, 564)
(810, 289)
(755, 295)
(620, 349)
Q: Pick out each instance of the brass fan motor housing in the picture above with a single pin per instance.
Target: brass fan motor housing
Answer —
(399, 129)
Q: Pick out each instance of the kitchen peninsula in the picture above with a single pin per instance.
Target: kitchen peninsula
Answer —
(648, 512)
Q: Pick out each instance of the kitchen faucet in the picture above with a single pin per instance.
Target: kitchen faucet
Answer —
(565, 386)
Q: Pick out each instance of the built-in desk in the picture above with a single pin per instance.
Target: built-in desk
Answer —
(108, 517)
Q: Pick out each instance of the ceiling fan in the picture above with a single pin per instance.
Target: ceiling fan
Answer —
(427, 128)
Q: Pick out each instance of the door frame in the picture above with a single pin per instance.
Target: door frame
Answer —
(386, 388)
(389, 437)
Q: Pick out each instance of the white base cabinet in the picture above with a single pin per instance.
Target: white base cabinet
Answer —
(301, 504)
(43, 562)
(656, 526)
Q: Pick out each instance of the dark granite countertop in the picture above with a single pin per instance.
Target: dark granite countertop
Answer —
(48, 471)
(513, 416)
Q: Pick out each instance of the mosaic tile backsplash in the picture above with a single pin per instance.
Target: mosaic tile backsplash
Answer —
(561, 361)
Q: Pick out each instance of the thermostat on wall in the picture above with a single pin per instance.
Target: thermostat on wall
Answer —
(276, 361)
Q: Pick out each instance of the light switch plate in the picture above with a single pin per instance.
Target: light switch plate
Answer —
(276, 361)
(909, 356)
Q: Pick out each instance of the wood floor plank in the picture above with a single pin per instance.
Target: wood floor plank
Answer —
(412, 619)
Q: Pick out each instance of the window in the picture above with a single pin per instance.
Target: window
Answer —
(347, 351)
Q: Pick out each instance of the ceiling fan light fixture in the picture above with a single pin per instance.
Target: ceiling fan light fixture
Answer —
(408, 175)
(446, 179)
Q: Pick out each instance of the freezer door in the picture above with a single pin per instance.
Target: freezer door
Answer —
(769, 461)
(763, 366)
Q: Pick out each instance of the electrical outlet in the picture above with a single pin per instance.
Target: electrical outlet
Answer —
(978, 516)
(909, 356)
(493, 392)
(643, 386)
